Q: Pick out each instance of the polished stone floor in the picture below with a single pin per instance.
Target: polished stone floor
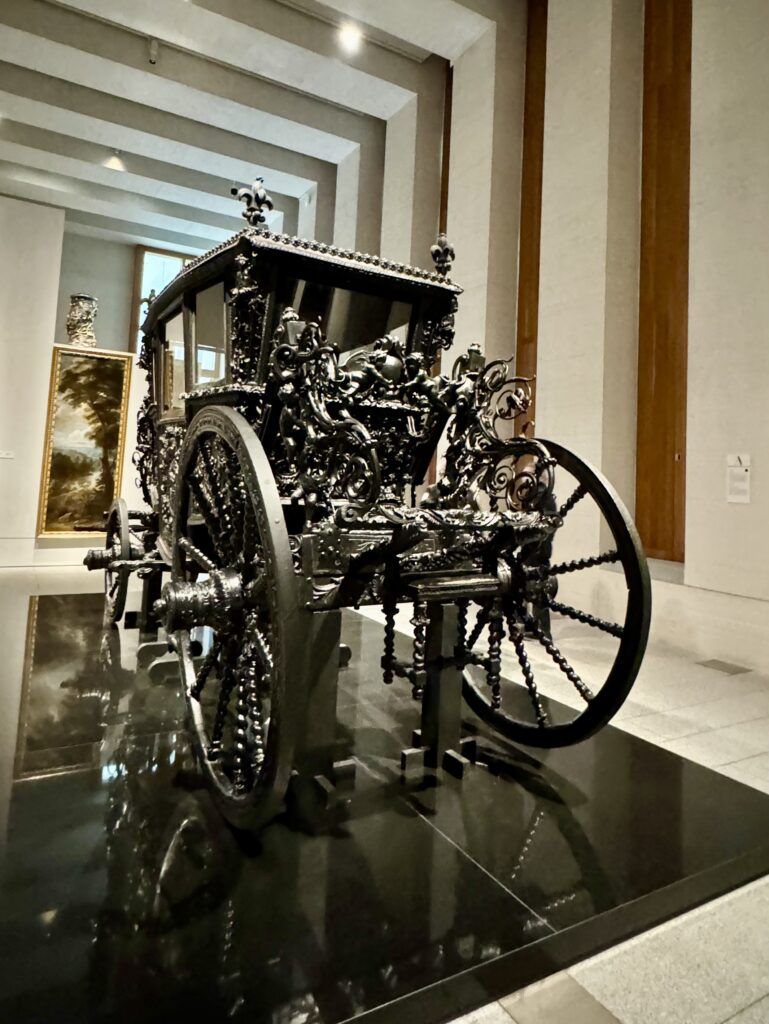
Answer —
(124, 897)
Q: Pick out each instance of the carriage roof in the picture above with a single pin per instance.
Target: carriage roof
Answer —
(335, 264)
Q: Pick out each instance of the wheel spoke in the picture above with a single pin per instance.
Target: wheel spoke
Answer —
(516, 635)
(209, 517)
(249, 533)
(197, 555)
(204, 671)
(241, 727)
(542, 571)
(255, 716)
(547, 642)
(613, 628)
(225, 693)
(576, 495)
(263, 650)
(211, 456)
(223, 471)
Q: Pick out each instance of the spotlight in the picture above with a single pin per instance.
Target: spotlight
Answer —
(115, 162)
(350, 37)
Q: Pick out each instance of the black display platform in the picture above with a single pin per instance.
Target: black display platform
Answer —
(125, 898)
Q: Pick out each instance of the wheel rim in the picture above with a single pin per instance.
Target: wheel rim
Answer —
(521, 708)
(232, 607)
(119, 542)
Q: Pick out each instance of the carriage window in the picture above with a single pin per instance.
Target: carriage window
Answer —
(351, 320)
(210, 333)
(173, 366)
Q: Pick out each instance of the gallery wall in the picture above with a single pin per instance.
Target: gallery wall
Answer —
(30, 258)
(588, 328)
(588, 308)
(95, 266)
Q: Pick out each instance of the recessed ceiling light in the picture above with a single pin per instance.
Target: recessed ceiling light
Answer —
(114, 162)
(350, 37)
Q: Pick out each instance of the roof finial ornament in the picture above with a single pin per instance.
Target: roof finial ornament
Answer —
(256, 200)
(443, 254)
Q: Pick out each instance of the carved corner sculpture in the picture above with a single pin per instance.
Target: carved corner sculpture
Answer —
(295, 487)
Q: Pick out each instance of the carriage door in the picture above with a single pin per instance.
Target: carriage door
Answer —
(171, 424)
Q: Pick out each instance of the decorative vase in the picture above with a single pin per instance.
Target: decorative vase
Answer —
(80, 318)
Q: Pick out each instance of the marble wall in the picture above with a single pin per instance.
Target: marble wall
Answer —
(727, 545)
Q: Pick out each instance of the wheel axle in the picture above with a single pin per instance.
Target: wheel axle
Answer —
(210, 602)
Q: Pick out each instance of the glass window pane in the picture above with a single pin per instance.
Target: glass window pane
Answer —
(173, 377)
(352, 321)
(210, 336)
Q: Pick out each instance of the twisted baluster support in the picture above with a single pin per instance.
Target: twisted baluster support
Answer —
(390, 609)
(480, 623)
(418, 672)
(494, 664)
(460, 650)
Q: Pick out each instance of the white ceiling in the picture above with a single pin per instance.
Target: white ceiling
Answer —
(184, 138)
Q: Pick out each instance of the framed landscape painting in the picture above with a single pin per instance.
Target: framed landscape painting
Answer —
(84, 440)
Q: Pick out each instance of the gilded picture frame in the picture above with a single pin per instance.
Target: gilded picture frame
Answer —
(85, 430)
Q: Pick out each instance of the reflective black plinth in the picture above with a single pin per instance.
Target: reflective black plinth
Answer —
(125, 898)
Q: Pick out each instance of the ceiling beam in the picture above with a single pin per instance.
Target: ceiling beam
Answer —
(113, 175)
(155, 147)
(134, 234)
(87, 69)
(37, 186)
(218, 38)
(443, 27)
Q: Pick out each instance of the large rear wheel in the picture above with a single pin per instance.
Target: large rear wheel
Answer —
(572, 665)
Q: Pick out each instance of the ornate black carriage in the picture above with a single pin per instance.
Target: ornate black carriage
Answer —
(287, 449)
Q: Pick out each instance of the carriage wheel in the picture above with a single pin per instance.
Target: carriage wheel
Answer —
(119, 543)
(233, 610)
(563, 650)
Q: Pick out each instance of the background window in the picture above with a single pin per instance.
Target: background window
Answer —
(154, 269)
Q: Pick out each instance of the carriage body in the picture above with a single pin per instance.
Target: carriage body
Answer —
(210, 339)
(285, 447)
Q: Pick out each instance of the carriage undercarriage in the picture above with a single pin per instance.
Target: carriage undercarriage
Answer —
(290, 493)
(262, 707)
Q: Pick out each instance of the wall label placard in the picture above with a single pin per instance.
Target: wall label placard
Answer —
(738, 479)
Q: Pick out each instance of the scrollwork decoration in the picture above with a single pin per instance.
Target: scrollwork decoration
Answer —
(248, 305)
(489, 463)
(332, 453)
